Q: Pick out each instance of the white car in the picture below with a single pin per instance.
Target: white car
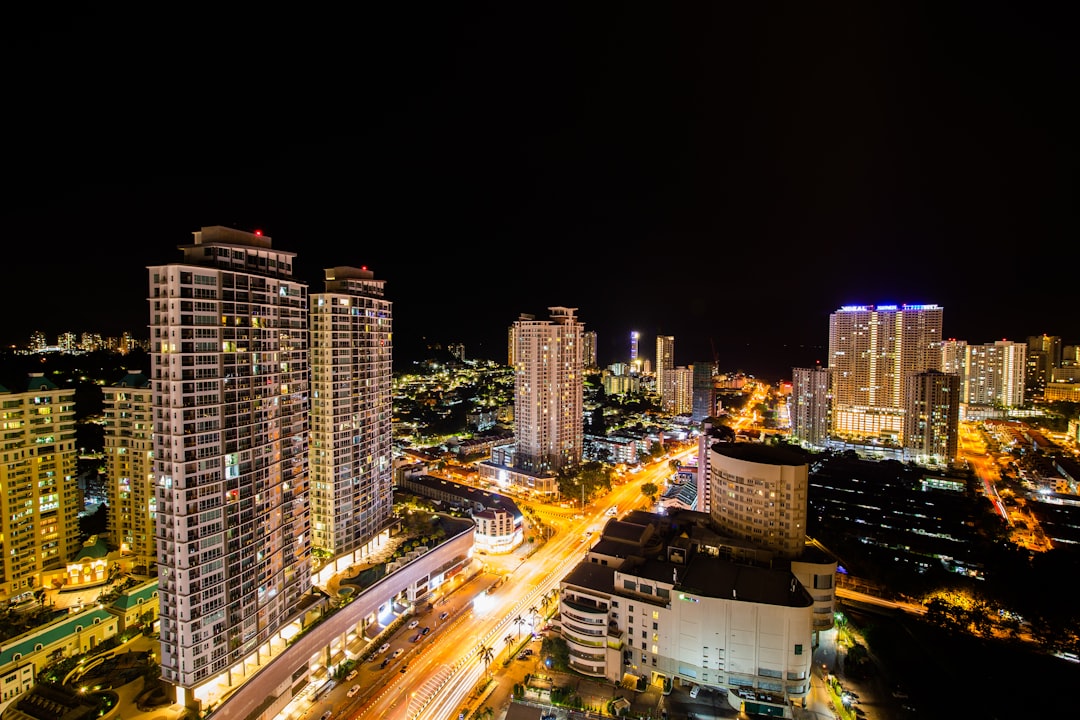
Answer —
(397, 653)
(383, 648)
(413, 624)
(353, 690)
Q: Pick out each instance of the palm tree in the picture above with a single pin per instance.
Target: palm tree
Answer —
(487, 655)
(519, 621)
(533, 612)
(509, 640)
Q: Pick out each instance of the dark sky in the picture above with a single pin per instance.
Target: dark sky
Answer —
(726, 175)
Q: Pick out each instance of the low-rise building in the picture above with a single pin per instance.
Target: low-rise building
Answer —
(659, 598)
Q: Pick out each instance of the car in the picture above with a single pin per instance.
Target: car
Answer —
(327, 715)
(413, 624)
(443, 615)
(404, 668)
(384, 663)
(383, 648)
(522, 656)
(351, 675)
(397, 653)
(353, 690)
(527, 651)
(425, 631)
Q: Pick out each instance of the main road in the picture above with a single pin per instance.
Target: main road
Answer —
(438, 675)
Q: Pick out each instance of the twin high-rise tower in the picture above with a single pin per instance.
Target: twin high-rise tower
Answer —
(271, 422)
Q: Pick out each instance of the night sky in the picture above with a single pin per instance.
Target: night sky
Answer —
(726, 175)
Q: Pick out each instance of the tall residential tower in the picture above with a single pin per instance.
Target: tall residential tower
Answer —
(229, 367)
(548, 391)
(871, 352)
(351, 375)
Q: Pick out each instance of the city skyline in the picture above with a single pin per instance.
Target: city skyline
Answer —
(728, 180)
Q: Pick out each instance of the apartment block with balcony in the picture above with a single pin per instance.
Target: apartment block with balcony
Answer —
(39, 522)
(229, 371)
(129, 468)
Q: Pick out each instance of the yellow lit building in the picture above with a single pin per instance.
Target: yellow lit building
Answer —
(39, 498)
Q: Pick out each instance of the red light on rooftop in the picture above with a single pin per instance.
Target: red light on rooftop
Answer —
(258, 233)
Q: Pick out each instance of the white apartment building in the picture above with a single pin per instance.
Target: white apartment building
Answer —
(995, 374)
(40, 502)
(871, 350)
(548, 391)
(129, 467)
(229, 367)
(351, 487)
(759, 495)
(655, 600)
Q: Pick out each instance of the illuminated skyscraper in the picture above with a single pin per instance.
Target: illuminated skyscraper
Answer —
(871, 352)
(665, 372)
(129, 466)
(351, 374)
(588, 352)
(810, 406)
(548, 391)
(932, 416)
(995, 374)
(229, 367)
(40, 502)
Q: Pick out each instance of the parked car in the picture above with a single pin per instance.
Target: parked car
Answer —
(353, 690)
(397, 653)
(416, 637)
(383, 648)
(351, 675)
(443, 615)
(425, 631)
(413, 624)
(384, 663)
(522, 656)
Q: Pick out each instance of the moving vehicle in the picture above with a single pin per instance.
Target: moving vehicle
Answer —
(353, 690)
(443, 615)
